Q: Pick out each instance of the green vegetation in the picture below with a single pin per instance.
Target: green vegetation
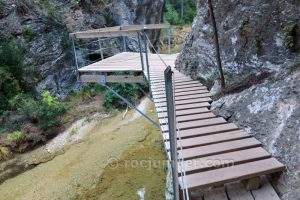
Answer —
(243, 27)
(295, 66)
(85, 93)
(126, 90)
(52, 11)
(11, 73)
(29, 34)
(171, 16)
(45, 112)
(288, 32)
(73, 132)
(257, 43)
(172, 12)
(15, 137)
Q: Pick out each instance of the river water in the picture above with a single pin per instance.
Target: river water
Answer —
(112, 160)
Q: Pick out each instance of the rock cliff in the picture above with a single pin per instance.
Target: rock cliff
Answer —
(42, 28)
(260, 45)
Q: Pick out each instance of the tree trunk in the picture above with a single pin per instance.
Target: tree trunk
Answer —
(216, 40)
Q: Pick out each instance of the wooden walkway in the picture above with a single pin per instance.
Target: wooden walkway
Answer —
(216, 153)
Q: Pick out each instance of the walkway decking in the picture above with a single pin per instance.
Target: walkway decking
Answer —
(215, 152)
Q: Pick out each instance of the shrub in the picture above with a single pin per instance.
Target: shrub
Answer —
(11, 72)
(46, 112)
(172, 11)
(243, 27)
(11, 59)
(288, 33)
(15, 138)
(126, 90)
(9, 87)
(49, 111)
(171, 15)
(52, 12)
(29, 34)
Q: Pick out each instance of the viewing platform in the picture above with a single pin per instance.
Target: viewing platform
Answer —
(214, 159)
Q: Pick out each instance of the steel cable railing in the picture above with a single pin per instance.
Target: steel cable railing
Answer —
(178, 135)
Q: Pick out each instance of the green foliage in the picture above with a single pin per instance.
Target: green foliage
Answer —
(46, 112)
(171, 15)
(85, 93)
(295, 66)
(288, 33)
(38, 139)
(52, 12)
(257, 43)
(1, 129)
(243, 27)
(11, 72)
(15, 137)
(172, 11)
(49, 111)
(73, 132)
(29, 34)
(126, 90)
(65, 41)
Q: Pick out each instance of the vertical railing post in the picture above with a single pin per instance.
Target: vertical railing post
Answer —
(146, 54)
(169, 40)
(101, 50)
(141, 52)
(76, 60)
(124, 44)
(172, 130)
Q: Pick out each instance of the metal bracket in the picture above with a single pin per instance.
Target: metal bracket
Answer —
(102, 80)
(131, 105)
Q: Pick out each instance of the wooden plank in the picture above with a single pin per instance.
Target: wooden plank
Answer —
(185, 95)
(117, 31)
(190, 88)
(175, 78)
(224, 160)
(184, 102)
(265, 192)
(194, 117)
(215, 194)
(162, 87)
(181, 91)
(176, 84)
(179, 80)
(184, 107)
(112, 79)
(213, 139)
(185, 112)
(209, 150)
(236, 191)
(198, 123)
(208, 130)
(225, 175)
(187, 118)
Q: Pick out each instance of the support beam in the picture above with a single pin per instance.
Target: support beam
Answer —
(103, 82)
(112, 79)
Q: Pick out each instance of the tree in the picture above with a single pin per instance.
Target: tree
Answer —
(216, 41)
